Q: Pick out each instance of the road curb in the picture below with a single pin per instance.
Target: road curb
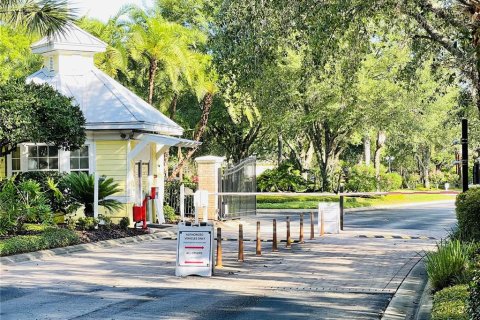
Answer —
(407, 300)
(39, 255)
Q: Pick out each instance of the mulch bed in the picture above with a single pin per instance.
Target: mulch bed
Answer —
(106, 234)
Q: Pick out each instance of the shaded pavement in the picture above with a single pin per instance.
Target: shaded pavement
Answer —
(334, 277)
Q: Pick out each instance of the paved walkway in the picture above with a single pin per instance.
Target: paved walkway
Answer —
(335, 277)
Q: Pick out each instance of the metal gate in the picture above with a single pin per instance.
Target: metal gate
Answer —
(239, 178)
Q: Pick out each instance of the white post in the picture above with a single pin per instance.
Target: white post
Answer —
(182, 201)
(150, 203)
(95, 196)
(205, 206)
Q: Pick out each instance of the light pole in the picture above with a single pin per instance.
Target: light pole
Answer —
(389, 160)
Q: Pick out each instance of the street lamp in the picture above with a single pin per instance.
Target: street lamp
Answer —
(389, 160)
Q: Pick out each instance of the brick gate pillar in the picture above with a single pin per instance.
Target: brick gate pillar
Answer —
(207, 170)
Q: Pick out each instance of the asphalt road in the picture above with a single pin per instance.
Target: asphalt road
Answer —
(334, 277)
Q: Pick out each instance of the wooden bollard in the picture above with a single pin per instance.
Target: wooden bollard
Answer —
(274, 240)
(240, 242)
(322, 224)
(219, 248)
(289, 240)
(301, 240)
(312, 226)
(259, 244)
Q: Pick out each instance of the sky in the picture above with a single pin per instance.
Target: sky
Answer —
(103, 9)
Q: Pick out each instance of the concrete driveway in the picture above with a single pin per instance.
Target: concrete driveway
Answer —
(348, 276)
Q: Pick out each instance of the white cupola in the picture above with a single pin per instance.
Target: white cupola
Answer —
(70, 52)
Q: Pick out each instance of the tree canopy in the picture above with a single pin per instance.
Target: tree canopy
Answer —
(38, 113)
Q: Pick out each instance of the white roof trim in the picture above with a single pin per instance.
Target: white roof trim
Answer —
(168, 141)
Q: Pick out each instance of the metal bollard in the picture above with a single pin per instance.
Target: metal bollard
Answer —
(289, 240)
(240, 243)
(274, 240)
(259, 244)
(300, 240)
(219, 248)
(312, 226)
(322, 223)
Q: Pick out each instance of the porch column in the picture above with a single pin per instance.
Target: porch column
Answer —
(207, 168)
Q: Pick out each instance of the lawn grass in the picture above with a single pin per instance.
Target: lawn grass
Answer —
(451, 303)
(309, 202)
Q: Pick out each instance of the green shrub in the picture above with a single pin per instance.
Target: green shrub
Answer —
(169, 213)
(448, 264)
(87, 223)
(124, 223)
(50, 238)
(390, 181)
(361, 178)
(474, 295)
(22, 202)
(53, 186)
(468, 214)
(283, 178)
(107, 221)
(450, 303)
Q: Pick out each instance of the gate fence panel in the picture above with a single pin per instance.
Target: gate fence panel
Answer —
(239, 178)
(172, 196)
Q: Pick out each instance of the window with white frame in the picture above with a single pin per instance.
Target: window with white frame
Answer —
(42, 158)
(79, 160)
(16, 160)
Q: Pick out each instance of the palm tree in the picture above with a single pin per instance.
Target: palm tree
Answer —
(42, 16)
(205, 86)
(81, 186)
(163, 46)
(113, 32)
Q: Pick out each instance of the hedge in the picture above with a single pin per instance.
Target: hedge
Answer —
(451, 303)
(51, 238)
(468, 214)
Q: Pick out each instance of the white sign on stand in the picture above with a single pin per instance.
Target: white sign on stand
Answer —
(331, 216)
(194, 250)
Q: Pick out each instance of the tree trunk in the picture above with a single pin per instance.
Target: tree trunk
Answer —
(381, 137)
(173, 106)
(201, 127)
(279, 149)
(366, 150)
(151, 79)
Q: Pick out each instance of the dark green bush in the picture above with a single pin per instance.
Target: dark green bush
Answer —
(390, 181)
(50, 238)
(124, 223)
(54, 188)
(361, 178)
(283, 178)
(448, 264)
(468, 214)
(474, 286)
(87, 223)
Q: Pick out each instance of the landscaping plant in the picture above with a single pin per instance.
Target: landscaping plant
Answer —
(448, 264)
(283, 178)
(169, 213)
(81, 186)
(22, 202)
(361, 178)
(450, 303)
(468, 214)
(50, 238)
(124, 223)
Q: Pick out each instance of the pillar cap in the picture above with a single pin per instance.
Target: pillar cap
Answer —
(209, 159)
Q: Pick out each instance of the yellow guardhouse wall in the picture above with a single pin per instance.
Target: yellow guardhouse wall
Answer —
(111, 161)
(2, 167)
